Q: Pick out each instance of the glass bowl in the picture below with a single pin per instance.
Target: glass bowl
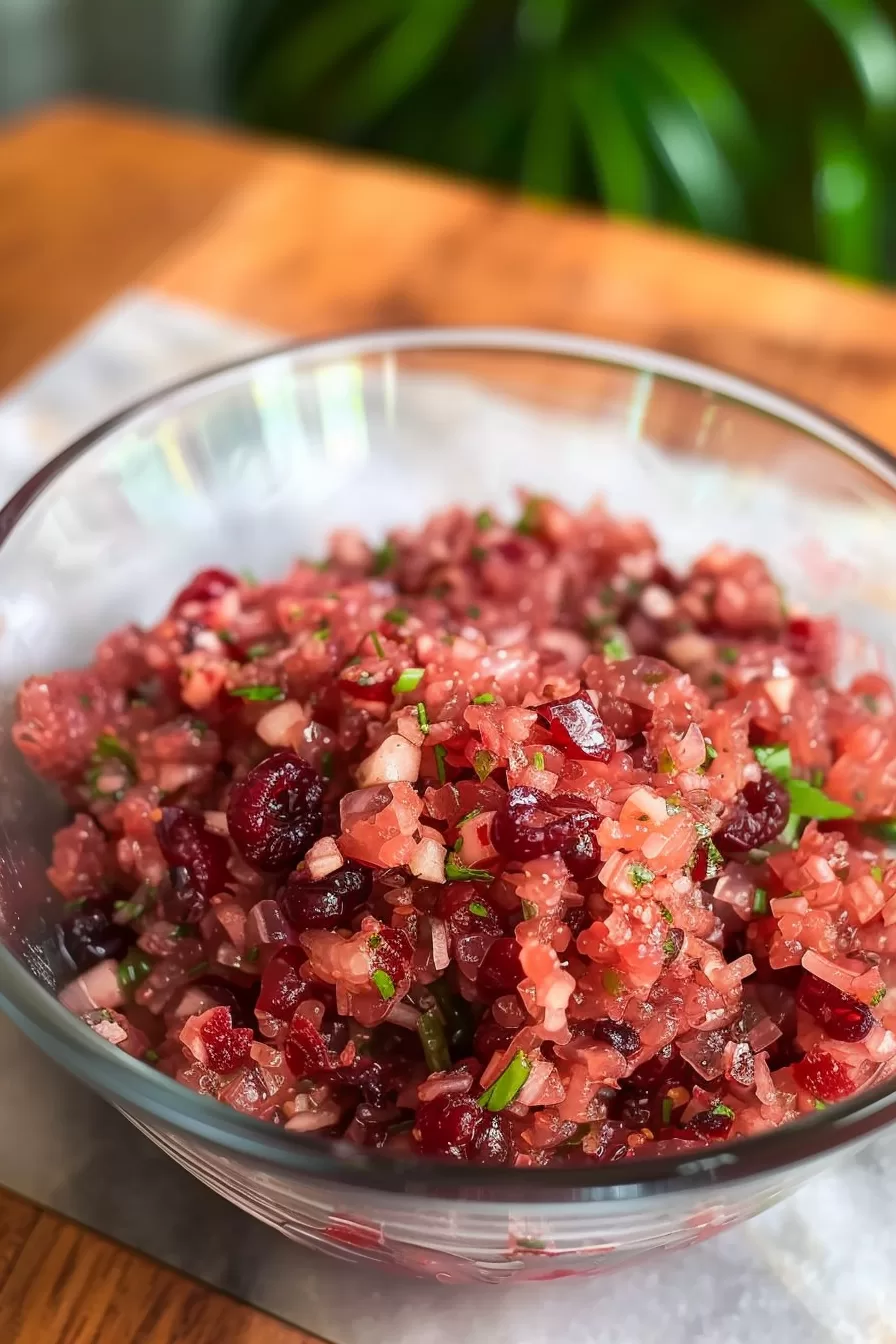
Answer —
(256, 463)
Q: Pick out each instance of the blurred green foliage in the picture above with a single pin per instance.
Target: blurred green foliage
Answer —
(771, 121)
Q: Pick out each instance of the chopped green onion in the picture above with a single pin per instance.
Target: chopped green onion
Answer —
(667, 1110)
(728, 654)
(877, 996)
(384, 558)
(374, 941)
(529, 519)
(760, 901)
(816, 779)
(377, 644)
(459, 872)
(538, 760)
(184, 931)
(133, 969)
(199, 727)
(354, 660)
(478, 553)
(384, 984)
(151, 1056)
(711, 752)
(469, 817)
(615, 649)
(612, 982)
(666, 763)
(477, 908)
(819, 1105)
(108, 748)
(507, 1085)
(225, 636)
(639, 875)
(877, 872)
(257, 651)
(485, 699)
(322, 633)
(484, 763)
(431, 1030)
(776, 760)
(474, 612)
(129, 909)
(807, 801)
(666, 914)
(719, 1108)
(396, 616)
(86, 701)
(408, 680)
(791, 831)
(257, 692)
(484, 520)
(530, 910)
(440, 753)
(422, 717)
(251, 954)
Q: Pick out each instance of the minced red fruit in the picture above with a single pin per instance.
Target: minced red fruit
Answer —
(500, 843)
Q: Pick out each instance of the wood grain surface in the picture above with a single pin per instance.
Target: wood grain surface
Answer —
(94, 200)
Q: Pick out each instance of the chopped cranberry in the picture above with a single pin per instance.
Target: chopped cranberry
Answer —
(283, 987)
(759, 816)
(227, 1046)
(500, 971)
(333, 1030)
(208, 585)
(89, 936)
(197, 859)
(823, 1077)
(619, 1035)
(376, 1079)
(240, 999)
(274, 815)
(709, 1125)
(576, 726)
(391, 951)
(492, 1146)
(328, 903)
(517, 835)
(448, 1126)
(490, 1037)
(582, 858)
(843, 1017)
(305, 1049)
(453, 906)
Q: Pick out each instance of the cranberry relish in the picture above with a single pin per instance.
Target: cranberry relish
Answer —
(502, 844)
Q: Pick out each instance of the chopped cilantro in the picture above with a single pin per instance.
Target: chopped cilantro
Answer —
(257, 692)
(374, 941)
(384, 558)
(474, 612)
(776, 760)
(486, 698)
(612, 982)
(251, 954)
(484, 763)
(529, 909)
(871, 703)
(711, 752)
(538, 760)
(728, 654)
(151, 1056)
(671, 948)
(667, 1110)
(506, 1085)
(422, 717)
(666, 913)
(484, 520)
(808, 801)
(719, 1108)
(377, 644)
(640, 875)
(322, 633)
(819, 1105)
(129, 909)
(396, 616)
(225, 636)
(257, 651)
(615, 648)
(654, 678)
(133, 969)
(408, 680)
(459, 872)
(877, 872)
(384, 983)
(877, 996)
(431, 1030)
(440, 753)
(791, 831)
(108, 748)
(716, 679)
(760, 901)
(477, 908)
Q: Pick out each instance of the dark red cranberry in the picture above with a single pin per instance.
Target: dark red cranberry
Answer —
(89, 936)
(666, 1066)
(328, 903)
(633, 1107)
(283, 987)
(227, 1046)
(823, 1077)
(500, 970)
(582, 858)
(492, 1146)
(208, 585)
(378, 1080)
(578, 919)
(448, 1126)
(197, 860)
(709, 1125)
(619, 1035)
(305, 1049)
(759, 816)
(275, 814)
(576, 726)
(391, 951)
(240, 999)
(843, 1017)
(490, 1037)
(333, 1030)
(516, 834)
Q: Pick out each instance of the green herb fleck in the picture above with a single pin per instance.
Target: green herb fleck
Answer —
(529, 909)
(473, 613)
(248, 578)
(808, 801)
(251, 954)
(478, 553)
(257, 692)
(529, 518)
(760, 901)
(477, 908)
(776, 760)
(666, 763)
(507, 1085)
(666, 913)
(486, 698)
(877, 996)
(615, 649)
(225, 636)
(716, 679)
(396, 616)
(151, 1056)
(86, 701)
(538, 760)
(719, 1108)
(469, 817)
(377, 644)
(640, 875)
(459, 872)
(819, 1105)
(877, 872)
(133, 970)
(354, 660)
(408, 680)
(612, 982)
(108, 748)
(384, 983)
(374, 941)
(75, 903)
(667, 1110)
(129, 910)
(670, 948)
(711, 752)
(431, 1030)
(654, 678)
(484, 520)
(484, 763)
(322, 633)
(871, 703)
(183, 931)
(440, 753)
(384, 558)
(257, 651)
(728, 654)
(422, 717)
(884, 830)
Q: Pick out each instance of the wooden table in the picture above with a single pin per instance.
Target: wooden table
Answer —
(93, 200)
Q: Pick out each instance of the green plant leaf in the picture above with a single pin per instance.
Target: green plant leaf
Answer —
(848, 200)
(546, 168)
(867, 37)
(542, 23)
(621, 167)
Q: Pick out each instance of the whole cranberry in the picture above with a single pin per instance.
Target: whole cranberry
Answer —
(197, 860)
(576, 726)
(275, 813)
(516, 834)
(89, 936)
(619, 1035)
(305, 1049)
(490, 1037)
(823, 1076)
(759, 816)
(448, 1126)
(328, 903)
(208, 585)
(500, 970)
(843, 1017)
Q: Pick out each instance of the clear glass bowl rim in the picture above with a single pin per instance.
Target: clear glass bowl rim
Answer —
(125, 1080)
